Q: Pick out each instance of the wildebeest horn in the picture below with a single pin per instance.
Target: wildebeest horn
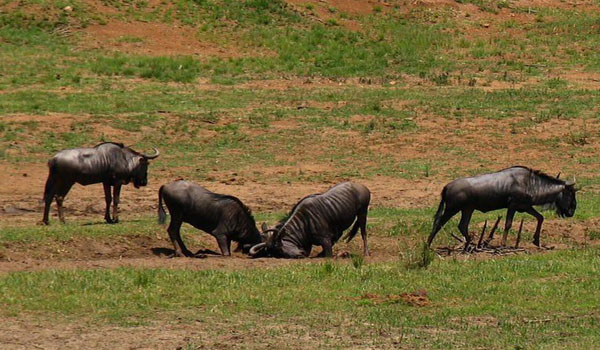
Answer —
(151, 156)
(558, 176)
(257, 248)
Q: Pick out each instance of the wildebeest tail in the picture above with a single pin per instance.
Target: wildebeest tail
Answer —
(162, 216)
(353, 231)
(438, 216)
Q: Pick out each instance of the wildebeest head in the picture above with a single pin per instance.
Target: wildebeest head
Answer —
(139, 166)
(566, 203)
(270, 242)
(273, 245)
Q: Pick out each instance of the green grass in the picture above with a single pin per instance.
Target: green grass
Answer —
(529, 299)
(77, 228)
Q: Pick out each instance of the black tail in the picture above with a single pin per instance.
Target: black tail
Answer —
(436, 218)
(354, 230)
(162, 216)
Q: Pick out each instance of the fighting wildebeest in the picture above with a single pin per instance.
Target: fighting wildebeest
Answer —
(319, 219)
(517, 188)
(224, 217)
(109, 163)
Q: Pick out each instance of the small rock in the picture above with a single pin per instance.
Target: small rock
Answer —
(485, 25)
(68, 9)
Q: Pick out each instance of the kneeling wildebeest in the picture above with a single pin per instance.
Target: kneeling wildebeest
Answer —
(319, 219)
(517, 188)
(109, 163)
(224, 217)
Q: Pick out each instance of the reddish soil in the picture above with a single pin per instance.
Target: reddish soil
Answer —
(154, 38)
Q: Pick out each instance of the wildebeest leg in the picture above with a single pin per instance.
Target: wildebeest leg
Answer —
(175, 236)
(116, 200)
(327, 248)
(538, 229)
(463, 226)
(108, 200)
(510, 214)
(49, 193)
(224, 243)
(61, 192)
(448, 214)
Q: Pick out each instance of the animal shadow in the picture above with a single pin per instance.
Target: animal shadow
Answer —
(170, 253)
(166, 252)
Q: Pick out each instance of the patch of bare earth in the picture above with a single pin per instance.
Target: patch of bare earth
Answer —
(157, 39)
(199, 329)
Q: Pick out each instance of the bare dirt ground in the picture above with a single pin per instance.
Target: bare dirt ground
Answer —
(203, 332)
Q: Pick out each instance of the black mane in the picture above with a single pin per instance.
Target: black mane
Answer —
(541, 174)
(247, 210)
(289, 214)
(121, 145)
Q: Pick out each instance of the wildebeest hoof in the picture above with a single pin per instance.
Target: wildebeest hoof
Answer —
(177, 254)
(44, 223)
(198, 256)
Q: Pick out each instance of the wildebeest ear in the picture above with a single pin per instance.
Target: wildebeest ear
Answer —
(264, 227)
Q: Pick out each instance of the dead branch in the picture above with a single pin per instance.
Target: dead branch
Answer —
(491, 236)
(457, 238)
(519, 234)
(482, 234)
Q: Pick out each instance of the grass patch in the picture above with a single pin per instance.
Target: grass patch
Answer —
(515, 292)
(179, 69)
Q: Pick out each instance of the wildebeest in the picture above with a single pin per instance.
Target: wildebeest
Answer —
(109, 163)
(224, 217)
(517, 188)
(319, 219)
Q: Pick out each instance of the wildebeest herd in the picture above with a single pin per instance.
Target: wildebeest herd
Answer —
(316, 220)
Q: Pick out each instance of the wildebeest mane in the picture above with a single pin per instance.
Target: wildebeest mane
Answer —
(541, 174)
(237, 200)
(247, 211)
(291, 212)
(121, 145)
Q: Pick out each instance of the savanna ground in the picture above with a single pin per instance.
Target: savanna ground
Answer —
(270, 101)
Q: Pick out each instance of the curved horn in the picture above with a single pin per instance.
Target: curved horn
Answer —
(151, 156)
(257, 248)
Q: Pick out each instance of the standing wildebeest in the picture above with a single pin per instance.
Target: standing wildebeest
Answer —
(110, 163)
(224, 217)
(319, 219)
(517, 188)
